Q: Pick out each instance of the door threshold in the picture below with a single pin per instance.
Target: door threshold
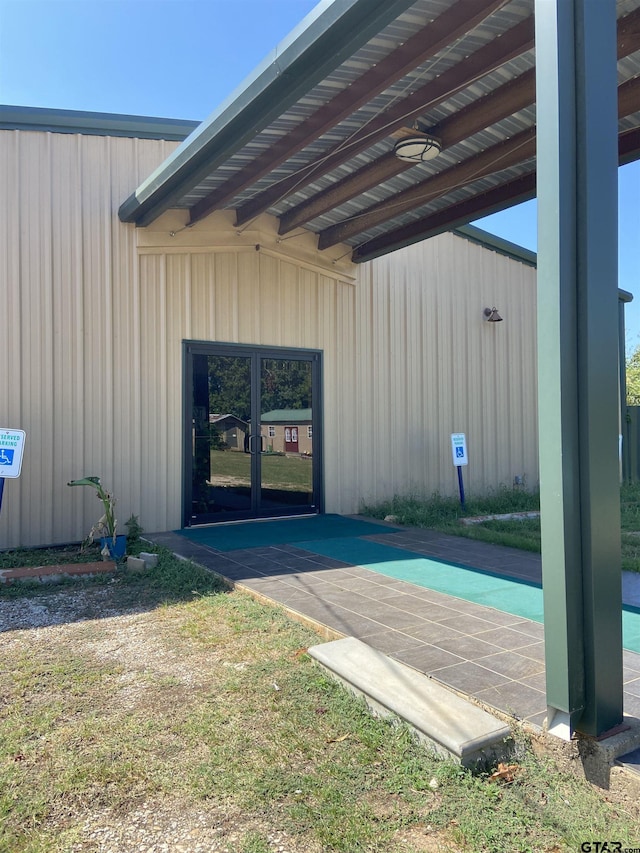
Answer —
(252, 520)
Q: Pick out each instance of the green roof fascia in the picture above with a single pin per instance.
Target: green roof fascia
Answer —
(329, 35)
(93, 124)
(512, 250)
(285, 416)
(503, 247)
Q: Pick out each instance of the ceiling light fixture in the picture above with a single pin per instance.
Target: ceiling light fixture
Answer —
(418, 148)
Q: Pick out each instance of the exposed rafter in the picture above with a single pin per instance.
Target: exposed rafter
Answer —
(310, 138)
(499, 198)
(445, 29)
(482, 204)
(506, 100)
(513, 43)
(512, 151)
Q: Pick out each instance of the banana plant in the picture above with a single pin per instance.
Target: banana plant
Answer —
(108, 524)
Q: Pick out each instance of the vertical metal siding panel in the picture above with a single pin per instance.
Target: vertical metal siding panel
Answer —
(308, 309)
(175, 330)
(248, 298)
(36, 365)
(326, 326)
(345, 442)
(69, 411)
(268, 297)
(202, 297)
(382, 417)
(429, 389)
(153, 388)
(226, 296)
(11, 390)
(290, 302)
(416, 370)
(127, 472)
(363, 396)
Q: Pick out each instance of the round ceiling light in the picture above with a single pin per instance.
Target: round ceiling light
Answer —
(417, 149)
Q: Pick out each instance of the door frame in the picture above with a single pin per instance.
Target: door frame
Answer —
(256, 353)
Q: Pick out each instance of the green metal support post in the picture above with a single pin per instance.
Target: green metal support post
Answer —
(577, 161)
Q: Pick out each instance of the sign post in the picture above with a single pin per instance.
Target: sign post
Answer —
(460, 458)
(11, 449)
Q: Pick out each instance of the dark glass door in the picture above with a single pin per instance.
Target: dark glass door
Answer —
(251, 420)
(286, 430)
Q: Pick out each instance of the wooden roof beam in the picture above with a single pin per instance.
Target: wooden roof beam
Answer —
(515, 150)
(493, 200)
(499, 104)
(506, 195)
(504, 101)
(449, 26)
(513, 43)
(505, 154)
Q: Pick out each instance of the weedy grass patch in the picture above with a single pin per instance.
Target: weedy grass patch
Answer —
(445, 513)
(172, 694)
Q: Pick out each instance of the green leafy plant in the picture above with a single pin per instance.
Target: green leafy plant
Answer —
(107, 525)
(134, 528)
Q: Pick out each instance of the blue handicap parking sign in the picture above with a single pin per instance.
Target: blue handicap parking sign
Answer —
(459, 452)
(6, 456)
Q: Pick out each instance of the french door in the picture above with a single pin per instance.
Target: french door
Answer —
(252, 432)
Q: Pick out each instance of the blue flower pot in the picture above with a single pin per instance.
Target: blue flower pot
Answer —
(116, 550)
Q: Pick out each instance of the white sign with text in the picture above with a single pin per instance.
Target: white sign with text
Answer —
(459, 449)
(11, 449)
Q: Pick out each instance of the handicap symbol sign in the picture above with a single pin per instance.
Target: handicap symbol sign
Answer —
(459, 449)
(6, 456)
(11, 451)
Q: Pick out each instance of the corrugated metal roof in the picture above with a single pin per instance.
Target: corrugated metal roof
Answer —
(335, 132)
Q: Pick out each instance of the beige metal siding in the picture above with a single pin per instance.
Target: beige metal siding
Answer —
(440, 367)
(96, 313)
(70, 331)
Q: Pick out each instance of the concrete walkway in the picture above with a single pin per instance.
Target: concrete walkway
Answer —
(478, 651)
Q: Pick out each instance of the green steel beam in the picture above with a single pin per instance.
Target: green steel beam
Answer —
(578, 362)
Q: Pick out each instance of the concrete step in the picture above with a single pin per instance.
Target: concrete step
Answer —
(450, 725)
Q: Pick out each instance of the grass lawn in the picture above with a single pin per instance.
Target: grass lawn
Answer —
(444, 514)
(282, 472)
(169, 704)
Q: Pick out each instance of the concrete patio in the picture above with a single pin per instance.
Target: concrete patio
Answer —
(480, 652)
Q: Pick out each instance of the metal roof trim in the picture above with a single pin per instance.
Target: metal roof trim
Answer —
(498, 244)
(93, 123)
(319, 44)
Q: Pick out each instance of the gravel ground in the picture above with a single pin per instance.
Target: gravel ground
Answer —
(134, 637)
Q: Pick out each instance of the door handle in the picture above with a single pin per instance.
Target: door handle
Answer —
(252, 447)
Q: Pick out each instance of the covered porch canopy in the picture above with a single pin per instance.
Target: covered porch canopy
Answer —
(312, 139)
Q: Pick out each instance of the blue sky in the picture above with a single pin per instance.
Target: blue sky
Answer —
(180, 59)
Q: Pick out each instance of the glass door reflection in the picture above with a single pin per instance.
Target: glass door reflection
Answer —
(250, 415)
(221, 467)
(286, 430)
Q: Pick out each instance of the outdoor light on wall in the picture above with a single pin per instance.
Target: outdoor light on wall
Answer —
(417, 148)
(491, 315)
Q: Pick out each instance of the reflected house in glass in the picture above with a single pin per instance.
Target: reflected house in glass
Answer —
(288, 431)
(231, 432)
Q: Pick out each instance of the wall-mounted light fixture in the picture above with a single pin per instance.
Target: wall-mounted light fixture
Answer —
(417, 148)
(491, 315)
